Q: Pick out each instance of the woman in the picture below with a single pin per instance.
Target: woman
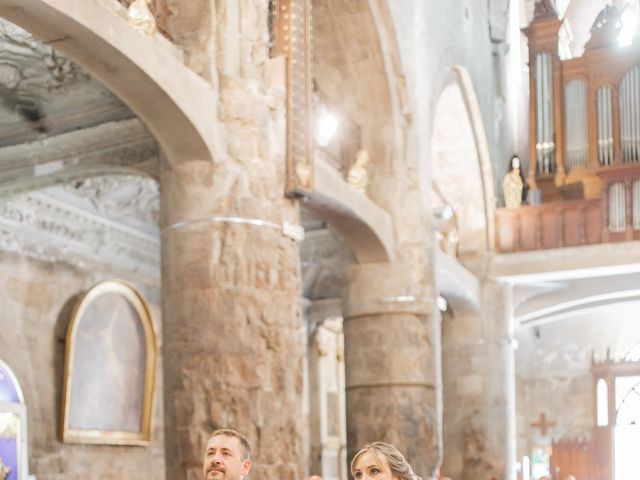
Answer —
(381, 461)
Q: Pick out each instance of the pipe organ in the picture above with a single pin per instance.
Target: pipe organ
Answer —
(584, 140)
(584, 112)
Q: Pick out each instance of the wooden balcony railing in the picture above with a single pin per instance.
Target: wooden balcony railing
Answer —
(550, 225)
(614, 217)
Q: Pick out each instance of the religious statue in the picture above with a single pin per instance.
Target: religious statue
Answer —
(304, 172)
(544, 8)
(512, 185)
(357, 176)
(4, 470)
(141, 17)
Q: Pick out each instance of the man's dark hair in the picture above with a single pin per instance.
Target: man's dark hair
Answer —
(228, 432)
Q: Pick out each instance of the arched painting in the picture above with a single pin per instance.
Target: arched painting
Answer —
(13, 427)
(109, 368)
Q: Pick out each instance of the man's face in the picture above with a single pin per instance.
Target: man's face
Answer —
(224, 459)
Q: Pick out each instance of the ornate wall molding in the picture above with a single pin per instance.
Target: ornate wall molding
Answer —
(123, 146)
(56, 225)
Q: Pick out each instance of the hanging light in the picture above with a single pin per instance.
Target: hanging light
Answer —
(326, 126)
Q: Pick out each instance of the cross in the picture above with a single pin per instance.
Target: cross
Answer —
(543, 424)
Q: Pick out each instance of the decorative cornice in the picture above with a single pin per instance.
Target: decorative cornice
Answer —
(48, 227)
(114, 147)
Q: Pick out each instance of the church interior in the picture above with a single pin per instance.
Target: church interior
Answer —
(322, 223)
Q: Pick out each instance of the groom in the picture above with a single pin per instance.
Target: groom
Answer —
(227, 457)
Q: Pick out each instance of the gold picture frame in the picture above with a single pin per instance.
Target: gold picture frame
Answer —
(109, 372)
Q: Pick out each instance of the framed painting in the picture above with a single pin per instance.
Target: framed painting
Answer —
(110, 361)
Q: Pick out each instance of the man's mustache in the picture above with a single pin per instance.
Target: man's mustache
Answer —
(214, 468)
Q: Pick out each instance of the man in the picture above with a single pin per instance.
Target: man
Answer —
(227, 457)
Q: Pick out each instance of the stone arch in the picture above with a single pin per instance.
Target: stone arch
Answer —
(460, 152)
(177, 108)
(350, 75)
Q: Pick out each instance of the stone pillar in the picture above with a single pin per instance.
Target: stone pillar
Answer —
(479, 388)
(231, 318)
(391, 351)
(327, 424)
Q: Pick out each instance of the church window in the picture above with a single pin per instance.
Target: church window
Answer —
(627, 430)
(629, 115)
(617, 208)
(602, 398)
(633, 354)
(575, 99)
(13, 427)
(628, 400)
(629, 18)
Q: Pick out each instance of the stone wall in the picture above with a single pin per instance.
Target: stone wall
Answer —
(36, 299)
(553, 372)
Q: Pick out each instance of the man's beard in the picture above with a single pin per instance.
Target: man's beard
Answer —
(216, 469)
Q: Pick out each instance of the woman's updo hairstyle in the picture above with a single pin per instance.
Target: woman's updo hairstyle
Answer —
(398, 465)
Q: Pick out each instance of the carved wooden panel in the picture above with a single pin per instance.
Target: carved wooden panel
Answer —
(291, 37)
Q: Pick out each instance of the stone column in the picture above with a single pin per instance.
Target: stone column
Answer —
(391, 351)
(479, 388)
(231, 318)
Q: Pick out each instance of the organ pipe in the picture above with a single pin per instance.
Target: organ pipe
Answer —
(630, 116)
(605, 127)
(545, 147)
(617, 208)
(576, 124)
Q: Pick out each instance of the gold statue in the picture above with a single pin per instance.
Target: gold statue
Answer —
(141, 17)
(357, 176)
(4, 470)
(512, 185)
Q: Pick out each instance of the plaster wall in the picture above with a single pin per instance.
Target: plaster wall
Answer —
(553, 371)
(434, 37)
(36, 299)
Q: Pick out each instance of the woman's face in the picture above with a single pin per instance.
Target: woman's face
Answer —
(372, 467)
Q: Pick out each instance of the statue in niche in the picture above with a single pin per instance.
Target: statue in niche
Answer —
(4, 470)
(357, 176)
(141, 17)
(512, 185)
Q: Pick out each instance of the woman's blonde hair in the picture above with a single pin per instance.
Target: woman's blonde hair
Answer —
(397, 463)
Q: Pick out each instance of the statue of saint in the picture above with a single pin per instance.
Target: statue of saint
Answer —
(512, 185)
(357, 176)
(141, 17)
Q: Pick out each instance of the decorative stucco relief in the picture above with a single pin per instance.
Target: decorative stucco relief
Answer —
(107, 222)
